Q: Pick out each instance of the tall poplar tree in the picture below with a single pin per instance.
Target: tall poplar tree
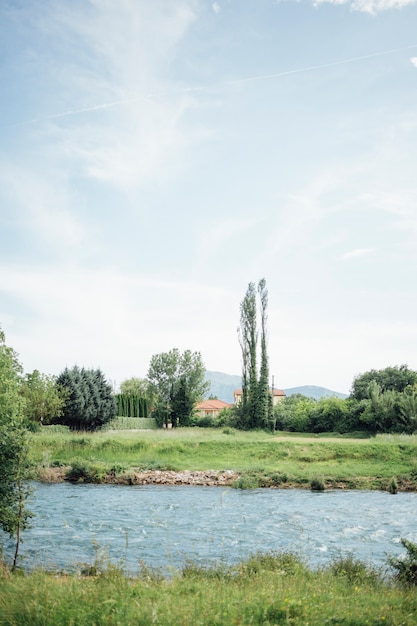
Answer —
(248, 339)
(255, 409)
(264, 399)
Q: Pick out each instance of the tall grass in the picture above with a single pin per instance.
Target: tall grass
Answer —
(265, 590)
(352, 462)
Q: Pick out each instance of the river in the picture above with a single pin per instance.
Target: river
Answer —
(163, 526)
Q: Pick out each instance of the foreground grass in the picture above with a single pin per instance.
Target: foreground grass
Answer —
(266, 589)
(264, 459)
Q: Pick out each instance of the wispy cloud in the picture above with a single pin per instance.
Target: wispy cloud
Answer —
(146, 101)
(131, 137)
(358, 253)
(216, 7)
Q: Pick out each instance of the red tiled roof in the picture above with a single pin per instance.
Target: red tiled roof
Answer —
(206, 405)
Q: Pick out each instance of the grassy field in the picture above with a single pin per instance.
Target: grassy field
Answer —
(265, 590)
(262, 459)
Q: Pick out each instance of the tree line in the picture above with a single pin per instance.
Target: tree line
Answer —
(381, 401)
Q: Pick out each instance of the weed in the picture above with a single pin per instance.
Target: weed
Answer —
(354, 570)
(283, 563)
(393, 485)
(406, 566)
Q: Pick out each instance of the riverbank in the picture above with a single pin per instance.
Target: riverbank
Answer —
(213, 478)
(265, 589)
(206, 478)
(226, 458)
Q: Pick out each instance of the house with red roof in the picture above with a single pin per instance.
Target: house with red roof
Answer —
(211, 407)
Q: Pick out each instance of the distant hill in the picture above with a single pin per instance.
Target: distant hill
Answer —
(222, 386)
(315, 392)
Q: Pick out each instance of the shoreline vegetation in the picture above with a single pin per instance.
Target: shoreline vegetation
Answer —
(225, 457)
(265, 589)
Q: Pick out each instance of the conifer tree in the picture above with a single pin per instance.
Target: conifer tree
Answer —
(90, 402)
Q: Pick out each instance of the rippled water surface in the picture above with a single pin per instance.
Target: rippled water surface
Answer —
(164, 526)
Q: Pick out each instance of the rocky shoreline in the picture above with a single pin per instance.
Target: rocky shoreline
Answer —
(204, 478)
(207, 478)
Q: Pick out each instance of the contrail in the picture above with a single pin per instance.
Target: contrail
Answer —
(238, 81)
(319, 67)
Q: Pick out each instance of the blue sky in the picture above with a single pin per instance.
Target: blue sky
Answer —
(156, 157)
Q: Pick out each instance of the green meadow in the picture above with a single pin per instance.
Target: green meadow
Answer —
(262, 459)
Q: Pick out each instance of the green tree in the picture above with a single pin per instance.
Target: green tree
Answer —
(256, 408)
(168, 371)
(329, 415)
(138, 387)
(396, 378)
(408, 409)
(89, 402)
(181, 404)
(44, 399)
(293, 413)
(14, 448)
(382, 413)
(264, 396)
(248, 340)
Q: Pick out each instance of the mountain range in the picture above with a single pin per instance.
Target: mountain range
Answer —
(222, 386)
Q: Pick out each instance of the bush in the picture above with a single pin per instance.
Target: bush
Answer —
(283, 562)
(131, 423)
(81, 472)
(354, 570)
(246, 482)
(277, 479)
(406, 566)
(317, 484)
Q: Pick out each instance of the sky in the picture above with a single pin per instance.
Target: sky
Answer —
(156, 157)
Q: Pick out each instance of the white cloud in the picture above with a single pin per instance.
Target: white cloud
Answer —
(413, 60)
(369, 6)
(123, 119)
(96, 318)
(216, 7)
